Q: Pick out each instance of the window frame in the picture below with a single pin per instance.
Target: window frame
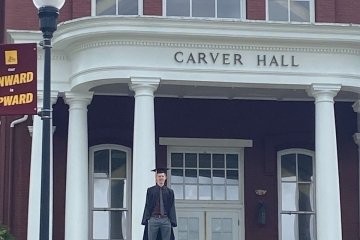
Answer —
(296, 151)
(311, 12)
(93, 9)
(91, 208)
(242, 11)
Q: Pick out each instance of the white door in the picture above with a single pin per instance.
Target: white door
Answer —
(207, 225)
(222, 225)
(190, 226)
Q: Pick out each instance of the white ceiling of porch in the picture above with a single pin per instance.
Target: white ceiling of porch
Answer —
(191, 91)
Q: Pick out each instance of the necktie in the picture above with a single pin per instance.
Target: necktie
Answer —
(162, 211)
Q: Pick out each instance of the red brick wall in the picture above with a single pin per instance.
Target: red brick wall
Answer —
(256, 9)
(325, 10)
(153, 7)
(25, 17)
(347, 11)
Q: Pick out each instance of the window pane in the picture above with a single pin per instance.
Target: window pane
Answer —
(118, 164)
(204, 192)
(101, 163)
(288, 227)
(306, 227)
(219, 192)
(218, 161)
(305, 167)
(288, 167)
(228, 8)
(278, 10)
(232, 161)
(218, 176)
(191, 192)
(204, 176)
(105, 7)
(177, 160)
(193, 224)
(118, 225)
(288, 192)
(300, 11)
(203, 8)
(177, 176)
(128, 7)
(306, 195)
(232, 177)
(204, 160)
(101, 193)
(118, 194)
(100, 225)
(232, 193)
(178, 191)
(178, 8)
(191, 176)
(191, 160)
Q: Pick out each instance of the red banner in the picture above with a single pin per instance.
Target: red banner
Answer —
(18, 79)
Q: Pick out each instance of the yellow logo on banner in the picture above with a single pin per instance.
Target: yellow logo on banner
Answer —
(11, 57)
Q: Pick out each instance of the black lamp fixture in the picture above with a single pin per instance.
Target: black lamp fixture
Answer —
(48, 13)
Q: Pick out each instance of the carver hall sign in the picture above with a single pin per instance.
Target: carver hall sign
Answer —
(18, 79)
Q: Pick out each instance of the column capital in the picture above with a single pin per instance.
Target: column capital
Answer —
(144, 85)
(40, 97)
(83, 98)
(324, 92)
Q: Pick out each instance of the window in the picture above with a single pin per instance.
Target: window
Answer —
(205, 175)
(290, 10)
(115, 7)
(296, 194)
(205, 8)
(109, 200)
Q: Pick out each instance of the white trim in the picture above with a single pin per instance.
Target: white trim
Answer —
(225, 146)
(206, 142)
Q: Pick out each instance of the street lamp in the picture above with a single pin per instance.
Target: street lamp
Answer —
(48, 13)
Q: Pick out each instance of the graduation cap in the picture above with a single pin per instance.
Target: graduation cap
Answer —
(160, 170)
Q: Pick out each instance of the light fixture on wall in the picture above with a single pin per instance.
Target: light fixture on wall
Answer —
(260, 192)
(48, 11)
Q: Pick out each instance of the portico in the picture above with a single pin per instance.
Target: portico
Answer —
(165, 59)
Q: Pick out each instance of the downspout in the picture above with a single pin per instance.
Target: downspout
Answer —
(10, 169)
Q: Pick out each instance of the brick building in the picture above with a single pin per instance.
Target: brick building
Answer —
(253, 105)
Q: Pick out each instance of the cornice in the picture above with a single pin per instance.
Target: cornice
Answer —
(209, 46)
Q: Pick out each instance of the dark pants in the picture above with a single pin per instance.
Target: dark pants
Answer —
(159, 224)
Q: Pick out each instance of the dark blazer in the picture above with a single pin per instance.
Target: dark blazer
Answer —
(152, 196)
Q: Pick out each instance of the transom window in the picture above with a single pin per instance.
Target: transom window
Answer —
(205, 8)
(290, 10)
(296, 194)
(109, 200)
(205, 175)
(115, 7)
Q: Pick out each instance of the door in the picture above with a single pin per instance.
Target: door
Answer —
(207, 225)
(222, 225)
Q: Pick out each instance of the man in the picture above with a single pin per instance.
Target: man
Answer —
(159, 214)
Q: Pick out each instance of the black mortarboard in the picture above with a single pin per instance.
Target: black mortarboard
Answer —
(160, 170)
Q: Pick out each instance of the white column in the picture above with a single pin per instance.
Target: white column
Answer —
(33, 230)
(356, 136)
(328, 209)
(76, 204)
(143, 149)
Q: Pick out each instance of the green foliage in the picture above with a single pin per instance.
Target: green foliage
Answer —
(5, 234)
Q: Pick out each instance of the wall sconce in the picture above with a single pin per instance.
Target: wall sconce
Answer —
(260, 192)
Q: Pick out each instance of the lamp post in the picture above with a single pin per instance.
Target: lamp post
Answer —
(48, 13)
